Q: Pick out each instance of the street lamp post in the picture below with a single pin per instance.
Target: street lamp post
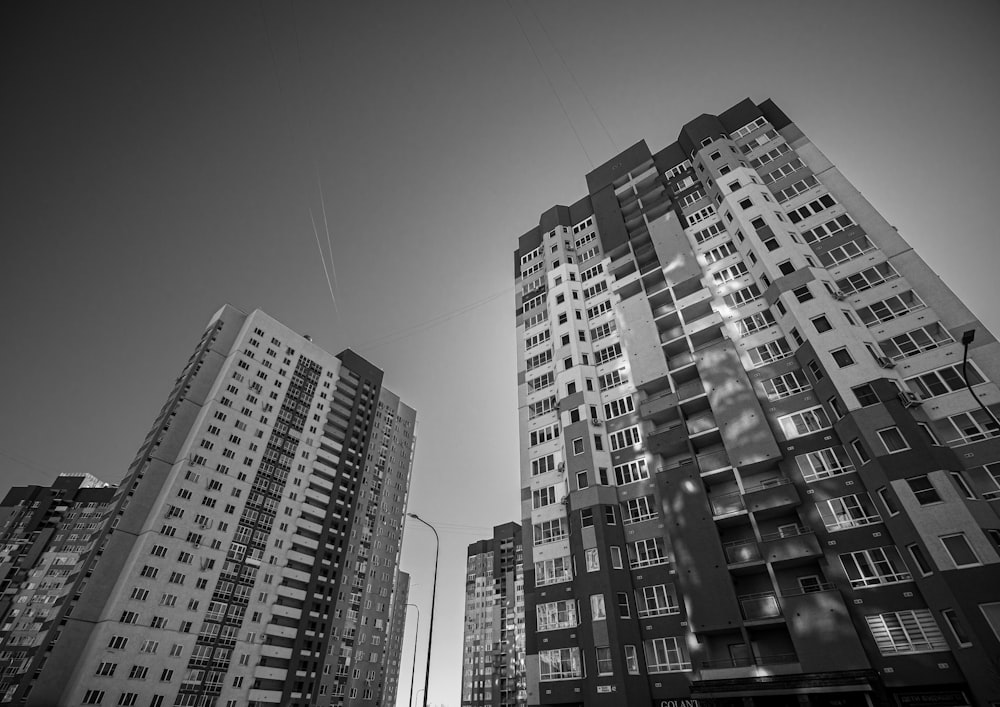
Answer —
(416, 637)
(430, 631)
(967, 338)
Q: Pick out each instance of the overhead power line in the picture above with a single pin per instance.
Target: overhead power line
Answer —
(551, 85)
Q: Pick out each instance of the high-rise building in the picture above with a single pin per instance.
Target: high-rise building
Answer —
(45, 534)
(493, 669)
(394, 642)
(752, 469)
(248, 556)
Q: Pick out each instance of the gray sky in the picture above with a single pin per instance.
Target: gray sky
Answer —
(161, 159)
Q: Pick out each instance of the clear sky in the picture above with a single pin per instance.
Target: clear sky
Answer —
(161, 158)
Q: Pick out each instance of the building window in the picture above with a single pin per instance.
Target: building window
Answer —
(785, 385)
(963, 485)
(666, 655)
(991, 612)
(888, 501)
(553, 571)
(944, 380)
(847, 512)
(957, 629)
(859, 449)
(929, 433)
(560, 664)
(802, 294)
(804, 422)
(609, 515)
(616, 557)
(923, 490)
(875, 566)
(630, 472)
(842, 357)
(543, 497)
(604, 665)
(973, 426)
(960, 551)
(581, 480)
(824, 463)
(587, 518)
(821, 323)
(919, 559)
(597, 610)
(593, 560)
(865, 394)
(893, 440)
(647, 553)
(578, 446)
(624, 609)
(657, 600)
(913, 342)
(636, 510)
(557, 614)
(902, 632)
(632, 656)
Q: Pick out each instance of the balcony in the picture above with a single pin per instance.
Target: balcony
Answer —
(790, 545)
(773, 494)
(697, 424)
(726, 504)
(685, 358)
(713, 461)
(760, 607)
(742, 552)
(691, 389)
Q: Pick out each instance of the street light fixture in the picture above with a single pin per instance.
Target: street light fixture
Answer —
(416, 637)
(968, 337)
(430, 631)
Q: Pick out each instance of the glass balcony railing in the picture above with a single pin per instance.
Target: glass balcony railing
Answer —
(759, 606)
(741, 551)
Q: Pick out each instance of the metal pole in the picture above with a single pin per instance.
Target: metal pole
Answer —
(967, 338)
(430, 631)
(416, 637)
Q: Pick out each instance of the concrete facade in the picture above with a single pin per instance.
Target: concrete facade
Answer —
(249, 555)
(751, 471)
(493, 672)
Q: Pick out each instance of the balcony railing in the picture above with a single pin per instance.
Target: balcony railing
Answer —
(713, 461)
(759, 606)
(722, 663)
(777, 659)
(789, 532)
(770, 483)
(740, 551)
(808, 589)
(648, 562)
(727, 503)
(690, 389)
(659, 611)
(701, 423)
(680, 360)
(856, 522)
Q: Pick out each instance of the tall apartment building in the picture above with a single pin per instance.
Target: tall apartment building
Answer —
(45, 534)
(750, 466)
(248, 556)
(397, 629)
(493, 668)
